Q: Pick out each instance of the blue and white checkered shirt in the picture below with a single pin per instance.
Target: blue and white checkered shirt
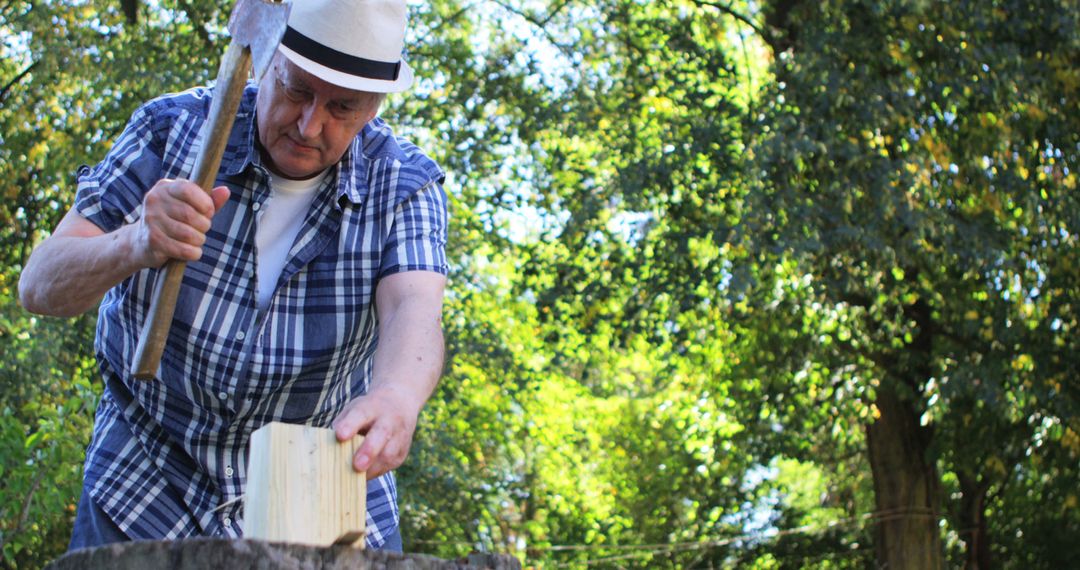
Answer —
(166, 454)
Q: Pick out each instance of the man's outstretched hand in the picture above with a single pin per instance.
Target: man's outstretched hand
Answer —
(387, 419)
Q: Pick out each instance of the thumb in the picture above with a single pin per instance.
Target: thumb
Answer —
(220, 196)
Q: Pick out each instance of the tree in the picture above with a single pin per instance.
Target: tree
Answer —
(916, 168)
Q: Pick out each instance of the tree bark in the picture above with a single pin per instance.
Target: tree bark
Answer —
(973, 522)
(202, 553)
(906, 487)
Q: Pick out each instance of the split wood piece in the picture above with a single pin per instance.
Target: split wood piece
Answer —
(301, 487)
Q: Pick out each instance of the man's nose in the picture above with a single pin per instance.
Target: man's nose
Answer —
(312, 120)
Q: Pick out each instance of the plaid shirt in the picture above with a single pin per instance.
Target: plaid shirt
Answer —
(166, 454)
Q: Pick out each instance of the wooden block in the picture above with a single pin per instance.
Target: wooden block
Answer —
(301, 487)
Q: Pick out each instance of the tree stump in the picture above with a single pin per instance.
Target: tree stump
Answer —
(215, 553)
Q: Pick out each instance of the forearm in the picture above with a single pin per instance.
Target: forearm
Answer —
(409, 359)
(73, 268)
(67, 275)
(407, 365)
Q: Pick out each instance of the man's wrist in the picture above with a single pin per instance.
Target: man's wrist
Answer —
(403, 398)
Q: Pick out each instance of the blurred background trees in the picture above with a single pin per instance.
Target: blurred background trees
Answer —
(777, 285)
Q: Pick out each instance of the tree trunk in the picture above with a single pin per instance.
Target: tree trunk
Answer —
(973, 529)
(202, 553)
(906, 487)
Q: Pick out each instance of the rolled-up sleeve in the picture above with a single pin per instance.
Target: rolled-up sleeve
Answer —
(417, 238)
(110, 194)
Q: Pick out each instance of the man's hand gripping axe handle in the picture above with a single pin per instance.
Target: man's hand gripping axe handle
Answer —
(256, 27)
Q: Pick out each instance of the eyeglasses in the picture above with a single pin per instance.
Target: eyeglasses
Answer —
(300, 94)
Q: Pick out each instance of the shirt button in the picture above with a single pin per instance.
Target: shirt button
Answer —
(227, 521)
(255, 206)
(228, 471)
(240, 335)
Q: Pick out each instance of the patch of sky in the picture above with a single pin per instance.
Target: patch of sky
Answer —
(756, 518)
(17, 47)
(554, 64)
(1040, 275)
(630, 226)
(519, 219)
(671, 327)
(100, 27)
(550, 67)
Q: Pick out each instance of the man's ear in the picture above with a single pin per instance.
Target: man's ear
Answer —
(376, 104)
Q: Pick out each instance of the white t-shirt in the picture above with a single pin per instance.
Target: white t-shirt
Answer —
(276, 225)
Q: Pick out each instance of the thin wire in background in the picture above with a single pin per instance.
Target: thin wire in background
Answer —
(659, 549)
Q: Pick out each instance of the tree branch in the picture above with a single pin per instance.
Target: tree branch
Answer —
(540, 24)
(453, 17)
(198, 23)
(16, 80)
(727, 9)
(24, 514)
(555, 12)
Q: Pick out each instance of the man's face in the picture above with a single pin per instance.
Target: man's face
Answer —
(305, 123)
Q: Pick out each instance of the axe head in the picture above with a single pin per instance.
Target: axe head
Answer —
(259, 25)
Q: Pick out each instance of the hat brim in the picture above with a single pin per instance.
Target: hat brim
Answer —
(349, 81)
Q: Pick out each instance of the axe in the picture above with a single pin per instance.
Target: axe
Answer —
(256, 27)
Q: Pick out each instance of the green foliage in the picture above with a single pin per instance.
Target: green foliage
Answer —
(926, 204)
(70, 73)
(46, 372)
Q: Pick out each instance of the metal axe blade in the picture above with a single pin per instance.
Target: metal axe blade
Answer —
(259, 26)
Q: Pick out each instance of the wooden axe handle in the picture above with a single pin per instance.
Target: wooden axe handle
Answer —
(232, 77)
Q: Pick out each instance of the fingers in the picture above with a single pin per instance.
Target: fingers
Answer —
(174, 240)
(220, 195)
(353, 420)
(176, 216)
(381, 451)
(387, 435)
(365, 458)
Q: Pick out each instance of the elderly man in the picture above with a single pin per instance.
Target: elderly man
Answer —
(312, 294)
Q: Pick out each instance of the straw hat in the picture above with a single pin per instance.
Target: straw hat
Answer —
(355, 44)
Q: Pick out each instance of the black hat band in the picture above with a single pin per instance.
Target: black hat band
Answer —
(339, 61)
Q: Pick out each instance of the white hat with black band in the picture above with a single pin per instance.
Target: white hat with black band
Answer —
(356, 44)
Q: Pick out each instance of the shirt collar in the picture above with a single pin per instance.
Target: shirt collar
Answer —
(240, 151)
(352, 171)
